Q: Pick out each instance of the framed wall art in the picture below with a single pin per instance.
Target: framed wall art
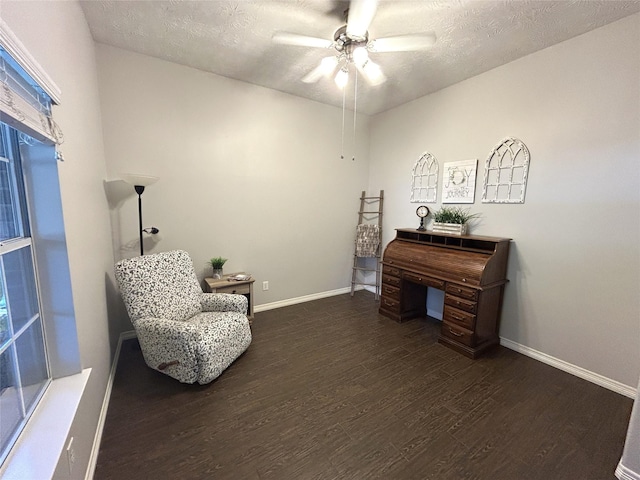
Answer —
(424, 179)
(459, 181)
(506, 172)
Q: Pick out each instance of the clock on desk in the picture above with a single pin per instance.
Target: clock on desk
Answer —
(422, 211)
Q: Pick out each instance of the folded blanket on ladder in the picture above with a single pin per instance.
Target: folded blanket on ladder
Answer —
(367, 240)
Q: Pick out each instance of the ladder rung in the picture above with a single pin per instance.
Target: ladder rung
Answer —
(369, 284)
(365, 269)
(375, 211)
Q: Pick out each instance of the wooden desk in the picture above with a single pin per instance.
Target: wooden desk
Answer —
(471, 270)
(224, 285)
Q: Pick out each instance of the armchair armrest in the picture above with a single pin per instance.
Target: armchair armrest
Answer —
(224, 302)
(170, 346)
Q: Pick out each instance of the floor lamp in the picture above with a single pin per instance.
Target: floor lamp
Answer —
(139, 182)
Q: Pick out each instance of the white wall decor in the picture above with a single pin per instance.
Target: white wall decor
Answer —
(459, 181)
(505, 173)
(424, 179)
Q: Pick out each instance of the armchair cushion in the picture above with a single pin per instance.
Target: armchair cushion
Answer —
(162, 285)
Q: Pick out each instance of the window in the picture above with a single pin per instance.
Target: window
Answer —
(34, 282)
(24, 373)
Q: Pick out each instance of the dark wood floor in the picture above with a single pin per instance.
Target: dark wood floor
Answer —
(331, 390)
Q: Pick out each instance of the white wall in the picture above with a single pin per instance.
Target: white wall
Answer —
(574, 266)
(57, 36)
(246, 173)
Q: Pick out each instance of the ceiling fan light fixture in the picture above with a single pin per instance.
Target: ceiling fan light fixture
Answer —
(373, 73)
(360, 55)
(342, 78)
(328, 65)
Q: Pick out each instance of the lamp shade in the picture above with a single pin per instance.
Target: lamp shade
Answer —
(142, 180)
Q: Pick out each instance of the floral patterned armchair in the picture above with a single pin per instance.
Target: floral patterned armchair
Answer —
(187, 334)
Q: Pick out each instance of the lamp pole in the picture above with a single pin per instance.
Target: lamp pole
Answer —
(139, 190)
(139, 182)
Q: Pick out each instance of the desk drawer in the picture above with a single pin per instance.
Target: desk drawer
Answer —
(458, 317)
(237, 289)
(390, 304)
(459, 334)
(461, 303)
(424, 280)
(390, 292)
(464, 292)
(389, 270)
(389, 280)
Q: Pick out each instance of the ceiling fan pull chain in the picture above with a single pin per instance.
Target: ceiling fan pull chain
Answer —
(355, 112)
(344, 95)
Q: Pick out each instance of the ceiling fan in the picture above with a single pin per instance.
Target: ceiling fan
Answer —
(352, 45)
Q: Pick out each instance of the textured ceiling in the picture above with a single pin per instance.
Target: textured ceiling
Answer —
(233, 38)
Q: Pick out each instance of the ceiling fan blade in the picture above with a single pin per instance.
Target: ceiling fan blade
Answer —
(324, 69)
(403, 43)
(361, 13)
(372, 73)
(313, 76)
(286, 38)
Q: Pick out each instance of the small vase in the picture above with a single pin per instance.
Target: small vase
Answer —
(217, 273)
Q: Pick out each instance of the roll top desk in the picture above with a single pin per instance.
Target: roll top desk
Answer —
(471, 270)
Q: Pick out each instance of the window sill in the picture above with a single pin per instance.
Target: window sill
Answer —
(38, 449)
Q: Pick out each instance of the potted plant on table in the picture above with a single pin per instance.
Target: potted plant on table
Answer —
(454, 220)
(217, 263)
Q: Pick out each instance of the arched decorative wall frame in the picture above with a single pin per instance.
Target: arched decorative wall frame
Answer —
(506, 172)
(424, 179)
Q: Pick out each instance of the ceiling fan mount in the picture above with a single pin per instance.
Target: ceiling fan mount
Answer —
(344, 43)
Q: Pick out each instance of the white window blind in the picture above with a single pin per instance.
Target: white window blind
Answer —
(24, 102)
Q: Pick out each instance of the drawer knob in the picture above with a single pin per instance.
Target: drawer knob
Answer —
(464, 279)
(233, 291)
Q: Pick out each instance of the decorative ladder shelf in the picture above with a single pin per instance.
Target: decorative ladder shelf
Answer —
(368, 242)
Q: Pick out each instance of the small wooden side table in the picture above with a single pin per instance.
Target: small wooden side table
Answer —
(241, 287)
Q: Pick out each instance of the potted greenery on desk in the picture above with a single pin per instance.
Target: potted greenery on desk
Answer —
(217, 263)
(453, 220)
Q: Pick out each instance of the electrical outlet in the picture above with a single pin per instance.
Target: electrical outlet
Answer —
(71, 456)
(265, 285)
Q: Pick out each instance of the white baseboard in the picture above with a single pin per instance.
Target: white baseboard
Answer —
(305, 298)
(579, 372)
(624, 473)
(93, 458)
